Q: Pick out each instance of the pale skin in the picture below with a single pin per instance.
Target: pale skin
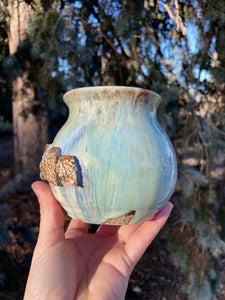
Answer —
(78, 265)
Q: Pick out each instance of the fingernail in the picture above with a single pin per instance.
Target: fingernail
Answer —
(171, 206)
(35, 188)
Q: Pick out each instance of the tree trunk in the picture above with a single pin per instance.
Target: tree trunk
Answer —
(29, 116)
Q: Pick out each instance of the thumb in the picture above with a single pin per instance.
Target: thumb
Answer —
(51, 214)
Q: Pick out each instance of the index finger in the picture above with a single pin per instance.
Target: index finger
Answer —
(144, 235)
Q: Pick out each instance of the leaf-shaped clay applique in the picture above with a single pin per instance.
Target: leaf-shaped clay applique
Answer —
(48, 165)
(43, 163)
(123, 220)
(67, 170)
(58, 170)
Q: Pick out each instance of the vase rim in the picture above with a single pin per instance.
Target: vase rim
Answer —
(140, 92)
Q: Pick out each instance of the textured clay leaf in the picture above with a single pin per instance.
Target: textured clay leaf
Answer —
(67, 170)
(48, 165)
(123, 220)
(43, 164)
(58, 170)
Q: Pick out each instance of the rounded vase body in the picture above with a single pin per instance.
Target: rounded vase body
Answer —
(111, 162)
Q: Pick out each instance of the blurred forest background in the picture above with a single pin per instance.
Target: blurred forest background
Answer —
(175, 48)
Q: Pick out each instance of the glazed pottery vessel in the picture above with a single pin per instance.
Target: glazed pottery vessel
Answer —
(111, 162)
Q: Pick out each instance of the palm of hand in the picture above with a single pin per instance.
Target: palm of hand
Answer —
(103, 268)
(78, 265)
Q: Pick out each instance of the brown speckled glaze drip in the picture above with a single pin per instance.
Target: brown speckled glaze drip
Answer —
(143, 95)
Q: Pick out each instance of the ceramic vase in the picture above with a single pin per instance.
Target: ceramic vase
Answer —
(111, 162)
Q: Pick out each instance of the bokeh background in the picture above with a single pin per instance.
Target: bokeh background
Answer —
(175, 48)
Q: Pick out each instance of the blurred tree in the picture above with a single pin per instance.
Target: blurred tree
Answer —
(176, 48)
(29, 115)
(5, 88)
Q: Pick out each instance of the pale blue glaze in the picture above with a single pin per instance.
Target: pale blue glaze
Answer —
(127, 161)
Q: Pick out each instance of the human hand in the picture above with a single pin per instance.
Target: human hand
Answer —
(78, 265)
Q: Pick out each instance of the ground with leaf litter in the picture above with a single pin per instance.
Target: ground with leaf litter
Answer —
(154, 277)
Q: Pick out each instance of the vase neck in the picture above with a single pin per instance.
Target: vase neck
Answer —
(111, 97)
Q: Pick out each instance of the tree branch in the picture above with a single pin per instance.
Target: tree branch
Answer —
(133, 49)
(103, 35)
(57, 23)
(157, 44)
(177, 19)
